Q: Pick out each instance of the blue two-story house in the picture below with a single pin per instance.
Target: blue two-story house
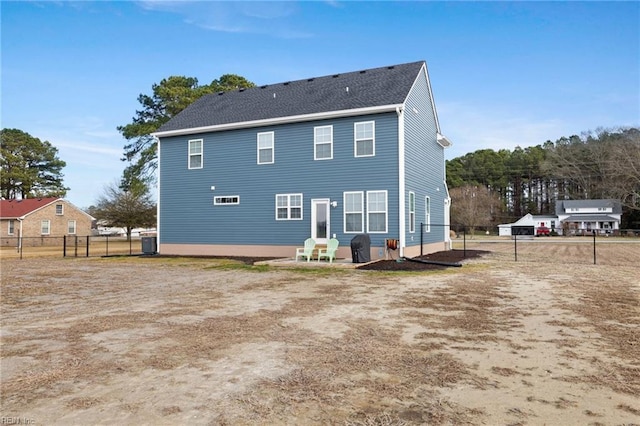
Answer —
(254, 172)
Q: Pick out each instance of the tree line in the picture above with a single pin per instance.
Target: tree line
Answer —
(604, 164)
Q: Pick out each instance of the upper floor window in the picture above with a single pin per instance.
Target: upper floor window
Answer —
(59, 209)
(265, 148)
(71, 227)
(354, 212)
(195, 154)
(377, 211)
(412, 212)
(323, 143)
(365, 139)
(11, 228)
(45, 227)
(288, 206)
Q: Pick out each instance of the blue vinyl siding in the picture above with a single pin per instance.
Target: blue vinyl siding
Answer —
(187, 213)
(424, 163)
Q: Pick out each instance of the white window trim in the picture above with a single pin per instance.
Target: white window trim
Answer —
(385, 211)
(356, 140)
(362, 212)
(427, 214)
(48, 222)
(218, 200)
(316, 143)
(74, 227)
(412, 212)
(61, 209)
(190, 155)
(11, 227)
(289, 207)
(258, 148)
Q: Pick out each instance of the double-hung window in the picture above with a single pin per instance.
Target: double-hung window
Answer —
(265, 148)
(11, 229)
(353, 212)
(364, 140)
(323, 143)
(412, 212)
(71, 227)
(288, 206)
(195, 154)
(377, 211)
(45, 227)
(59, 209)
(427, 214)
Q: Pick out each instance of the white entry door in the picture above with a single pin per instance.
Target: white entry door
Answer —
(320, 220)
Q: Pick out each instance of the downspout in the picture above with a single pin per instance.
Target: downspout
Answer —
(401, 181)
(158, 200)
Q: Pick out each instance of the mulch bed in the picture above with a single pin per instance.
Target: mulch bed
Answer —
(449, 256)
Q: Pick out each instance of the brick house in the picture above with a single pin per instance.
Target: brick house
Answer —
(41, 221)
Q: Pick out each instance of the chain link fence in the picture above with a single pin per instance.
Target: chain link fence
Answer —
(70, 246)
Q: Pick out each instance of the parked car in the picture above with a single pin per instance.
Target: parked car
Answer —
(543, 231)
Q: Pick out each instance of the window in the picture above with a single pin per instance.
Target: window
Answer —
(11, 229)
(365, 139)
(265, 148)
(323, 143)
(71, 227)
(289, 207)
(45, 227)
(59, 209)
(353, 212)
(377, 211)
(427, 214)
(412, 212)
(195, 154)
(226, 200)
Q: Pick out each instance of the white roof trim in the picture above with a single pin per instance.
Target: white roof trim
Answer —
(279, 120)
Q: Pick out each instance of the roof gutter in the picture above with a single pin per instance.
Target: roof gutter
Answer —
(279, 120)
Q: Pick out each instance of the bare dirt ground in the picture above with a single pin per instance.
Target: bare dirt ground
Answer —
(211, 341)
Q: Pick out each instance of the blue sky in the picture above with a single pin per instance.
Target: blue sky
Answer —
(504, 74)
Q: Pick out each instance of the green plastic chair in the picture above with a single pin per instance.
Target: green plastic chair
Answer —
(330, 251)
(307, 251)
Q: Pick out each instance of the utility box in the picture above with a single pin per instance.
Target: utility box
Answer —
(361, 249)
(149, 245)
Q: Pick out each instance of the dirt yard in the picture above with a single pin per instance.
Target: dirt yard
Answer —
(162, 341)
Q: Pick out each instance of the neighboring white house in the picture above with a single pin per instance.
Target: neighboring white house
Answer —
(580, 216)
(528, 225)
(573, 217)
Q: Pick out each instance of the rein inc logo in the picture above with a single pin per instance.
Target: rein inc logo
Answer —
(17, 421)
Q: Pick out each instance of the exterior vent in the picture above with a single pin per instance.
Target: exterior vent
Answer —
(263, 87)
(391, 67)
(310, 79)
(220, 93)
(336, 75)
(286, 83)
(363, 71)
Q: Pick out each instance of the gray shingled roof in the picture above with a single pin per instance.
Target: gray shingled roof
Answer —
(562, 206)
(367, 88)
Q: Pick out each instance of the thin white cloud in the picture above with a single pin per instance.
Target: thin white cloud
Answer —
(272, 18)
(473, 128)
